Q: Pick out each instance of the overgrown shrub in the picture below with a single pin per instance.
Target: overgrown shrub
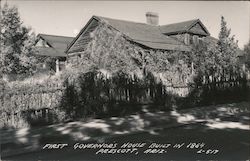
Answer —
(96, 94)
(218, 92)
(31, 118)
(93, 94)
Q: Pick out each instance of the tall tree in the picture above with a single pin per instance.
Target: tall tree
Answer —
(247, 54)
(227, 49)
(217, 60)
(16, 43)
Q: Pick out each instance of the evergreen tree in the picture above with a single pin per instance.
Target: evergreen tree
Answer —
(247, 54)
(218, 60)
(16, 43)
(227, 50)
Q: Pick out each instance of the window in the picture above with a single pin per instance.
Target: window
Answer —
(201, 40)
(187, 39)
(195, 40)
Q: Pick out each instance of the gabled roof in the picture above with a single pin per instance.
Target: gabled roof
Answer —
(147, 35)
(182, 27)
(58, 43)
(155, 37)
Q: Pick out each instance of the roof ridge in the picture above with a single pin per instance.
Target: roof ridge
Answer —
(197, 19)
(100, 17)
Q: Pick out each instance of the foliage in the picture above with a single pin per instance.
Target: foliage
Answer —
(31, 118)
(227, 49)
(34, 84)
(22, 102)
(16, 43)
(119, 77)
(247, 53)
(220, 61)
(93, 94)
(218, 93)
(112, 51)
(108, 50)
(48, 60)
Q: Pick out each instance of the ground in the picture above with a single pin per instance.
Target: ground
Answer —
(220, 132)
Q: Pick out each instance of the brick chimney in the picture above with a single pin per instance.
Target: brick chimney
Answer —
(152, 18)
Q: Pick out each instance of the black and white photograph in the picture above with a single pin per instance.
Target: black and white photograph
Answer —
(124, 80)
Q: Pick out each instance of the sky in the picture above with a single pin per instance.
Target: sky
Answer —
(67, 18)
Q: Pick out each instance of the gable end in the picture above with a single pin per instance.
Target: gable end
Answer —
(42, 42)
(198, 28)
(82, 39)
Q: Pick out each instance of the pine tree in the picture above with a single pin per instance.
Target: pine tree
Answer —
(247, 54)
(227, 50)
(16, 42)
(219, 60)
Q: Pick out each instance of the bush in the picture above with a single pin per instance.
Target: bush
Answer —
(93, 94)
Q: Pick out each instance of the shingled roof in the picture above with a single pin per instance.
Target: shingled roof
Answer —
(182, 27)
(47, 51)
(147, 35)
(57, 44)
(151, 36)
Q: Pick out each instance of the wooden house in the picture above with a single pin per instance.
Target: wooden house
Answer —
(53, 47)
(124, 39)
(173, 37)
(146, 39)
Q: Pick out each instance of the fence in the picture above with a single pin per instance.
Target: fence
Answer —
(95, 95)
(29, 103)
(49, 98)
